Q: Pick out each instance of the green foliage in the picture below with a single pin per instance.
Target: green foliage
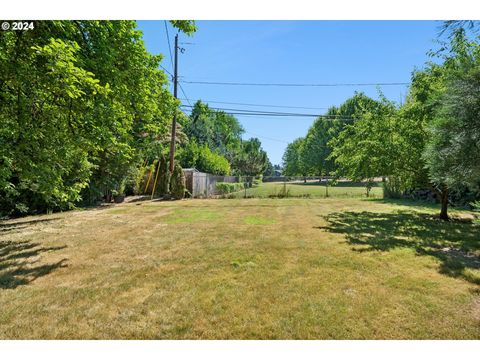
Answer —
(211, 162)
(293, 164)
(252, 159)
(452, 153)
(177, 182)
(164, 179)
(269, 169)
(476, 207)
(83, 103)
(203, 159)
(186, 26)
(315, 149)
(225, 188)
(361, 151)
(215, 129)
(219, 135)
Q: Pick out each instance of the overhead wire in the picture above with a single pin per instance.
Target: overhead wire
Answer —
(169, 45)
(266, 137)
(264, 105)
(293, 84)
(273, 113)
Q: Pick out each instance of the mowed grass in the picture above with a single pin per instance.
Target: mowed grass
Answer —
(311, 189)
(241, 269)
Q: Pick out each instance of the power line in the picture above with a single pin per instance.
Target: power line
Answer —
(269, 117)
(186, 97)
(168, 72)
(170, 51)
(169, 46)
(264, 105)
(292, 84)
(273, 113)
(266, 138)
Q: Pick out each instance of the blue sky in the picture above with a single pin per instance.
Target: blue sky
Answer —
(293, 52)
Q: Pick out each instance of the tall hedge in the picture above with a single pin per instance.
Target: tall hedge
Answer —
(177, 185)
(163, 177)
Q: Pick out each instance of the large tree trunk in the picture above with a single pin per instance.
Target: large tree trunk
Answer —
(444, 200)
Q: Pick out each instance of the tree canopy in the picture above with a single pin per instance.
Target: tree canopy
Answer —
(83, 103)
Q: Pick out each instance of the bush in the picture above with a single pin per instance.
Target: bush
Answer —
(177, 183)
(164, 177)
(204, 159)
(226, 188)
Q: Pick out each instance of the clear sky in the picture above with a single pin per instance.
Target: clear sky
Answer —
(293, 52)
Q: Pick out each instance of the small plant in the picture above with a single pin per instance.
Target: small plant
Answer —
(226, 188)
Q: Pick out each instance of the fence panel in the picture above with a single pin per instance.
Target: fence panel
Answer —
(201, 184)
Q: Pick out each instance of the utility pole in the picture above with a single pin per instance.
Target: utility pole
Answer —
(174, 122)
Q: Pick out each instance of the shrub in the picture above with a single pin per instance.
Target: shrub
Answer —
(226, 188)
(177, 183)
(204, 159)
(164, 177)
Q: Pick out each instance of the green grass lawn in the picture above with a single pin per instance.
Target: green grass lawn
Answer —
(311, 189)
(296, 268)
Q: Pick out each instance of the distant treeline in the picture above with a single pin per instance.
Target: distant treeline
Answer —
(432, 140)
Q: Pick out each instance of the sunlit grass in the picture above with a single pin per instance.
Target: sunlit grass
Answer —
(310, 190)
(296, 268)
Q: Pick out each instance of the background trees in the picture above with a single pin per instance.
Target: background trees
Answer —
(432, 140)
(293, 164)
(366, 148)
(216, 145)
(252, 159)
(83, 103)
(452, 153)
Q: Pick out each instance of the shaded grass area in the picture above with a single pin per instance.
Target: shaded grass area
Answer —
(19, 263)
(455, 244)
(241, 269)
(311, 189)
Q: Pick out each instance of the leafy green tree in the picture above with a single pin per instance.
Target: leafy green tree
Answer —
(364, 149)
(252, 160)
(293, 164)
(83, 103)
(316, 148)
(218, 130)
(452, 153)
(177, 185)
(163, 184)
(203, 159)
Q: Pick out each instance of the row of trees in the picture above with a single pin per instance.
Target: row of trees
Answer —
(84, 107)
(432, 140)
(214, 144)
(311, 155)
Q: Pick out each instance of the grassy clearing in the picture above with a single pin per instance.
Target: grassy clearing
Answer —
(241, 268)
(310, 190)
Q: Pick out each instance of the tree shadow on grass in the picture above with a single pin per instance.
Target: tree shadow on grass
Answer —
(20, 264)
(455, 243)
(18, 225)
